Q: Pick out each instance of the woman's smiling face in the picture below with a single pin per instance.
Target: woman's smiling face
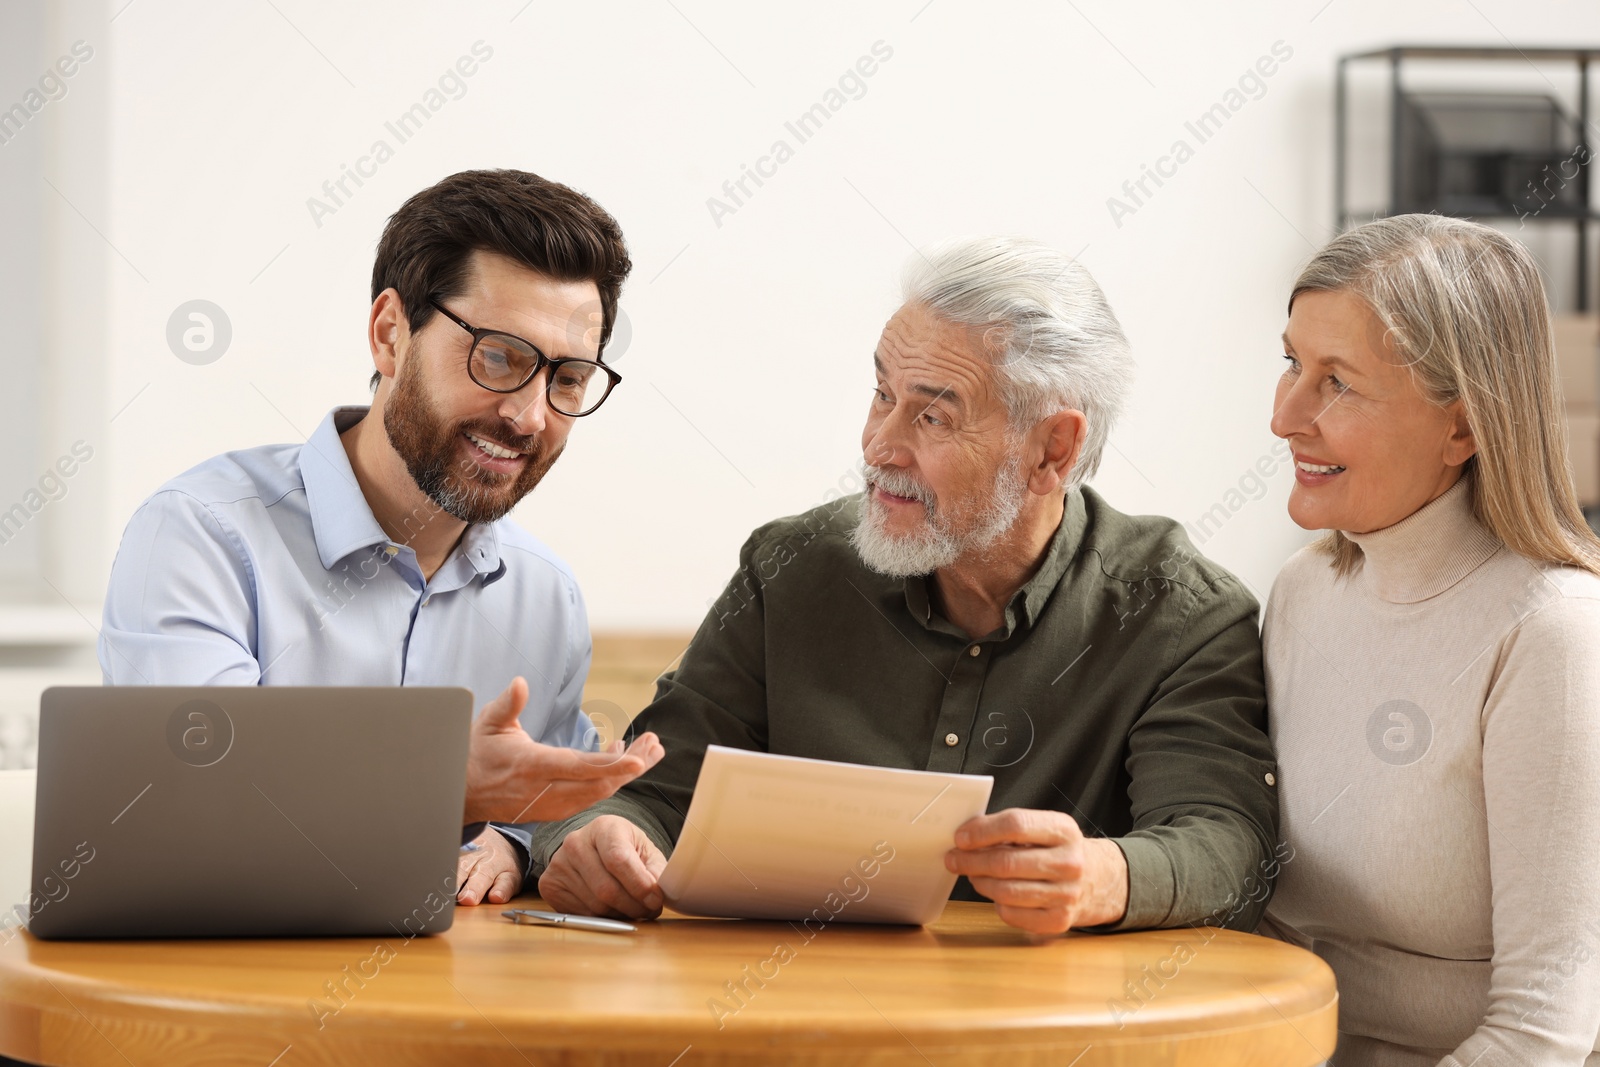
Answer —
(1369, 447)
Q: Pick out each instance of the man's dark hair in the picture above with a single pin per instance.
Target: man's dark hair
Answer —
(543, 225)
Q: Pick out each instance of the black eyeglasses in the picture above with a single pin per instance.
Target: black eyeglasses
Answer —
(504, 363)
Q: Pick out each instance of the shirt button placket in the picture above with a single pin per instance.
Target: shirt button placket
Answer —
(957, 710)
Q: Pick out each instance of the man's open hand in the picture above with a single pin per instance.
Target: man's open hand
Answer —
(609, 867)
(512, 778)
(1041, 872)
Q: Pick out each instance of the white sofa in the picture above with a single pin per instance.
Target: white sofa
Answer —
(16, 835)
(19, 740)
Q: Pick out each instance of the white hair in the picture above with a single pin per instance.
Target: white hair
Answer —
(1055, 342)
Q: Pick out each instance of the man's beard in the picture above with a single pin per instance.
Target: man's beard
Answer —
(942, 538)
(431, 450)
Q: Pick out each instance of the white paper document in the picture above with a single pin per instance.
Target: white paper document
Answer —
(780, 837)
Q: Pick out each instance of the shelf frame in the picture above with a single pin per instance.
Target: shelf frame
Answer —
(1395, 56)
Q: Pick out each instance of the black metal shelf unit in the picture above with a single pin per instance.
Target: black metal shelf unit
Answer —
(1480, 155)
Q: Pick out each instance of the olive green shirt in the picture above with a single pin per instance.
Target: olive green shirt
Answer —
(1125, 689)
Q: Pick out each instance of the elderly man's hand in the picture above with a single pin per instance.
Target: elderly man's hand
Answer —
(609, 867)
(490, 873)
(1043, 875)
(512, 778)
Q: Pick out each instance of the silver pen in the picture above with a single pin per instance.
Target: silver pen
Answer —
(577, 922)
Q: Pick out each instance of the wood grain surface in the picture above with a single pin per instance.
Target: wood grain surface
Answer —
(680, 992)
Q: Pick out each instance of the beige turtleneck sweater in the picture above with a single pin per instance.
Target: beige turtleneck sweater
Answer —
(1436, 717)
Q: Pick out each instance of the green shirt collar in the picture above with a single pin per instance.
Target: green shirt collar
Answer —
(1026, 603)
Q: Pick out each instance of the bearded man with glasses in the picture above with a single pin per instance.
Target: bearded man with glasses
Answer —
(379, 552)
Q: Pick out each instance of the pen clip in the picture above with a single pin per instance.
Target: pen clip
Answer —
(533, 918)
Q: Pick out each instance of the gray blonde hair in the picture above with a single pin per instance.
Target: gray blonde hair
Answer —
(1464, 308)
(1054, 340)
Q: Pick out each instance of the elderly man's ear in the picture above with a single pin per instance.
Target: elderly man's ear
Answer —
(1057, 441)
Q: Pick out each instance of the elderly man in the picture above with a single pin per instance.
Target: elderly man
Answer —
(978, 609)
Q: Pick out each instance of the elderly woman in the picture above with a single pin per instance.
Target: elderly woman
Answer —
(1433, 662)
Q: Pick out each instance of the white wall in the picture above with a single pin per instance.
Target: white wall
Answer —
(748, 368)
(53, 300)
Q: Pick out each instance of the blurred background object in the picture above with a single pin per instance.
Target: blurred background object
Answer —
(1578, 350)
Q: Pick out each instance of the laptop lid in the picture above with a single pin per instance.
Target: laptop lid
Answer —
(247, 811)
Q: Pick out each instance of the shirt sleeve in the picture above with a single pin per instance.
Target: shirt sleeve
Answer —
(717, 696)
(567, 726)
(1541, 795)
(180, 606)
(1204, 806)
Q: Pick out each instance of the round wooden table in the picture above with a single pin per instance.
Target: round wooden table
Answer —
(681, 992)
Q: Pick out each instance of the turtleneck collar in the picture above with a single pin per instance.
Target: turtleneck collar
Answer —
(1428, 551)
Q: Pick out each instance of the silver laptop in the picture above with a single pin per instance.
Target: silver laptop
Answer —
(247, 811)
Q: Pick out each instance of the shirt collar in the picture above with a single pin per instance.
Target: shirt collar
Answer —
(1028, 602)
(481, 548)
(1032, 597)
(342, 520)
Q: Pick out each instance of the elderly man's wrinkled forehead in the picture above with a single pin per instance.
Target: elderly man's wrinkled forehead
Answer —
(926, 354)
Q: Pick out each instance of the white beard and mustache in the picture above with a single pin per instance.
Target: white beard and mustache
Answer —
(943, 538)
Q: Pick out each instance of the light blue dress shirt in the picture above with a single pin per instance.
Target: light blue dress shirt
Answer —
(267, 567)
